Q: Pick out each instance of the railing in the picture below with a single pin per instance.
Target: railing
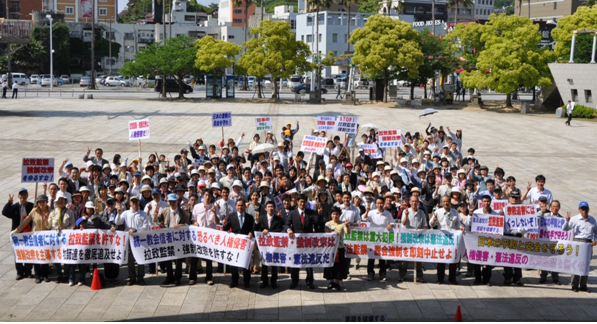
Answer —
(13, 28)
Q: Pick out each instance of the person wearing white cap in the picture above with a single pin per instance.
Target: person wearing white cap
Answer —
(237, 191)
(173, 216)
(61, 218)
(229, 178)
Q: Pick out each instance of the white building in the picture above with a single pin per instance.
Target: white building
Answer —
(281, 13)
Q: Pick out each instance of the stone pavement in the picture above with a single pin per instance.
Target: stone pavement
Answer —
(524, 145)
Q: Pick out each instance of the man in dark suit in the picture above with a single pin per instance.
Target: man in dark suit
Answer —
(241, 223)
(269, 223)
(17, 212)
(173, 217)
(301, 220)
(75, 182)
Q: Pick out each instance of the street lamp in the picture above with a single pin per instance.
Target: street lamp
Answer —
(51, 55)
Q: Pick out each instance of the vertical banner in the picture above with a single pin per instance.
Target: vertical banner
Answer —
(87, 8)
(346, 124)
(263, 123)
(390, 138)
(313, 144)
(517, 252)
(138, 129)
(487, 224)
(192, 241)
(550, 228)
(326, 123)
(520, 219)
(316, 250)
(221, 119)
(35, 170)
(70, 247)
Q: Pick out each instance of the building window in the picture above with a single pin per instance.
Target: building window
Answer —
(309, 38)
(189, 18)
(335, 53)
(103, 12)
(588, 96)
(129, 36)
(319, 38)
(103, 0)
(230, 36)
(293, 24)
(237, 21)
(574, 95)
(302, 38)
(69, 10)
(555, 6)
(346, 38)
(238, 11)
(334, 38)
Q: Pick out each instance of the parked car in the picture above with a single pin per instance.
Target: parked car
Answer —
(187, 79)
(65, 78)
(59, 81)
(21, 78)
(284, 83)
(251, 80)
(34, 78)
(171, 86)
(306, 88)
(294, 81)
(45, 82)
(342, 82)
(327, 82)
(112, 81)
(100, 78)
(403, 83)
(85, 81)
(361, 84)
(126, 82)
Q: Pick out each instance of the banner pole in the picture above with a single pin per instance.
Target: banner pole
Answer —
(139, 148)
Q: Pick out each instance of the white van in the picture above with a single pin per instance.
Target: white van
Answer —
(21, 78)
(294, 81)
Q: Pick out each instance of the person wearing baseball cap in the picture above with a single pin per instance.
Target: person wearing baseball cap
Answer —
(61, 218)
(512, 276)
(173, 216)
(133, 220)
(156, 205)
(584, 229)
(289, 136)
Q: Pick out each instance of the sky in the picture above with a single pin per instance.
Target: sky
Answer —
(122, 3)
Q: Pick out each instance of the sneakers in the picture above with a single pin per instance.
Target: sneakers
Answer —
(331, 286)
(383, 279)
(37, 280)
(71, 283)
(19, 276)
(191, 282)
(210, 282)
(575, 289)
(542, 280)
(80, 283)
(519, 283)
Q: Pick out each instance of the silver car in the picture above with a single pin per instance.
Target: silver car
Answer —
(85, 81)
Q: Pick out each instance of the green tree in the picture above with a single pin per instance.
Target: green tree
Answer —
(180, 60)
(466, 42)
(28, 59)
(149, 62)
(215, 55)
(459, 3)
(512, 57)
(369, 6)
(585, 18)
(384, 43)
(60, 44)
(275, 52)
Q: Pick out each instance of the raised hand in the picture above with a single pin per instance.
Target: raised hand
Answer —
(88, 150)
(529, 186)
(66, 160)
(568, 217)
(11, 198)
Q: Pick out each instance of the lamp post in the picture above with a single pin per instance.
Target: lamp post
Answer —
(51, 55)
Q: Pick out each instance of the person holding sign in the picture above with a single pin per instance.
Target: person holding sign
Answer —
(584, 228)
(269, 222)
(18, 212)
(204, 215)
(301, 220)
(61, 218)
(513, 276)
(378, 218)
(416, 218)
(240, 222)
(338, 272)
(446, 219)
(544, 213)
(483, 272)
(173, 217)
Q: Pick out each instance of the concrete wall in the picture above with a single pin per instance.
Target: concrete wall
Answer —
(580, 77)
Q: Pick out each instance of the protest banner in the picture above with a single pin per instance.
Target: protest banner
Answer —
(404, 244)
(313, 144)
(520, 219)
(550, 228)
(317, 250)
(278, 202)
(326, 123)
(346, 124)
(517, 252)
(371, 150)
(221, 119)
(138, 129)
(390, 138)
(496, 204)
(70, 247)
(367, 224)
(192, 241)
(487, 224)
(263, 123)
(35, 170)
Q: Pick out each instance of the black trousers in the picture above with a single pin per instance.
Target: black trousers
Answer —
(441, 272)
(41, 270)
(58, 268)
(569, 119)
(235, 276)
(208, 269)
(264, 271)
(111, 270)
(371, 264)
(131, 265)
(554, 275)
(482, 273)
(582, 279)
(171, 274)
(24, 268)
(4, 92)
(513, 274)
(15, 93)
(294, 275)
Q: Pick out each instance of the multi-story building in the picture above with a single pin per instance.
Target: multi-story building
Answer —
(20, 9)
(483, 8)
(82, 10)
(546, 9)
(419, 9)
(281, 13)
(228, 13)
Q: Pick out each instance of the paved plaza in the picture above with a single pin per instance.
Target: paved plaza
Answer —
(523, 145)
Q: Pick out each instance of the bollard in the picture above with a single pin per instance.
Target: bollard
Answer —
(60, 92)
(48, 93)
(37, 92)
(73, 93)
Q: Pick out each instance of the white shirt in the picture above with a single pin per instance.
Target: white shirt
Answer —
(534, 195)
(203, 215)
(352, 214)
(377, 219)
(570, 107)
(161, 205)
(137, 220)
(582, 228)
(446, 220)
(221, 208)
(174, 217)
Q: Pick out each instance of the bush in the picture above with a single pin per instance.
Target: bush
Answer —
(581, 111)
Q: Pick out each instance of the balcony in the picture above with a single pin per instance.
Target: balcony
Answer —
(146, 40)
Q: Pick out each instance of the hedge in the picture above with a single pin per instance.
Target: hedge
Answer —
(581, 111)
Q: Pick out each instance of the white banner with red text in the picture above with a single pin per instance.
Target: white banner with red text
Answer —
(70, 247)
(403, 244)
(192, 241)
(517, 252)
(317, 250)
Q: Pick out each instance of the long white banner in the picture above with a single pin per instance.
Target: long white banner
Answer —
(70, 247)
(192, 241)
(304, 251)
(557, 255)
(403, 244)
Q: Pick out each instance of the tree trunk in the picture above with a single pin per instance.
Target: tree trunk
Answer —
(385, 86)
(261, 18)
(519, 8)
(275, 92)
(164, 85)
(425, 90)
(509, 100)
(180, 86)
(259, 88)
(412, 90)
(215, 85)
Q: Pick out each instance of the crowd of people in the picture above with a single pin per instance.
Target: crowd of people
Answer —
(427, 182)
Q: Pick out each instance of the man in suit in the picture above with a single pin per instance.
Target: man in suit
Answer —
(97, 159)
(17, 212)
(75, 182)
(241, 223)
(269, 223)
(301, 220)
(173, 217)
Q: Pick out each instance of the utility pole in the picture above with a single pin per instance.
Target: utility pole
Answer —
(51, 55)
(164, 44)
(110, 46)
(93, 47)
(433, 17)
